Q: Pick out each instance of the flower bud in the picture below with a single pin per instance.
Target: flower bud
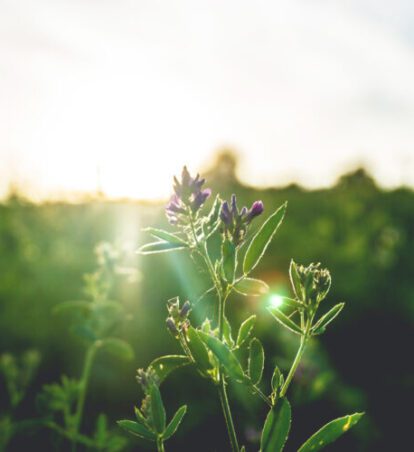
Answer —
(171, 326)
(186, 308)
(235, 222)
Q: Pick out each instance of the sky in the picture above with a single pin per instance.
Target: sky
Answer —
(120, 94)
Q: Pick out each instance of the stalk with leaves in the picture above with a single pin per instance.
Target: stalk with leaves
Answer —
(94, 320)
(210, 347)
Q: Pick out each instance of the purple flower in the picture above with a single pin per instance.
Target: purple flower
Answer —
(199, 199)
(188, 197)
(235, 222)
(256, 209)
(225, 214)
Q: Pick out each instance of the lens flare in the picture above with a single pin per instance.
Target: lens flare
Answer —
(275, 301)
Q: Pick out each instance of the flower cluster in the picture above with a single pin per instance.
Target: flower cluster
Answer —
(235, 222)
(314, 282)
(178, 316)
(187, 199)
(146, 378)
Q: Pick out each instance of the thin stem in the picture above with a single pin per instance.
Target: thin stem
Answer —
(265, 399)
(227, 414)
(83, 384)
(295, 364)
(222, 296)
(160, 444)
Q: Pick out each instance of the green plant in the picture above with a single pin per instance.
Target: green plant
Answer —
(18, 372)
(211, 347)
(94, 320)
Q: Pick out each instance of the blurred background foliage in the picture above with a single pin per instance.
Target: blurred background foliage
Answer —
(363, 234)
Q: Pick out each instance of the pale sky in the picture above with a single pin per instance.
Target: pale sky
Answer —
(303, 89)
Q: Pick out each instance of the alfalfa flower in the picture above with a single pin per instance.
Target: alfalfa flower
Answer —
(235, 222)
(187, 199)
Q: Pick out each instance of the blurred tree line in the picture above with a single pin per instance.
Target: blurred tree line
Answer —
(363, 234)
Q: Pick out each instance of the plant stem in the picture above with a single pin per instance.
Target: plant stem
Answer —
(83, 384)
(222, 296)
(227, 414)
(295, 364)
(160, 445)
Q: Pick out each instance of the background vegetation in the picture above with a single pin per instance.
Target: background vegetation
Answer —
(363, 234)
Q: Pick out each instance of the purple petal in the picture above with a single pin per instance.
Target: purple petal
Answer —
(200, 198)
(234, 205)
(225, 213)
(256, 209)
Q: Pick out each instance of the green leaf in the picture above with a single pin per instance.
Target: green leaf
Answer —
(295, 280)
(229, 260)
(160, 247)
(198, 350)
(119, 348)
(225, 356)
(321, 324)
(165, 236)
(137, 429)
(245, 330)
(212, 221)
(262, 239)
(276, 380)
(227, 332)
(256, 361)
(276, 427)
(157, 409)
(164, 365)
(101, 429)
(251, 286)
(286, 301)
(284, 320)
(139, 416)
(330, 432)
(175, 422)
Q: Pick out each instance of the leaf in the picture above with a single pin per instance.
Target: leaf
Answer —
(262, 239)
(292, 303)
(225, 356)
(137, 429)
(330, 432)
(175, 422)
(159, 247)
(245, 330)
(321, 324)
(227, 332)
(276, 427)
(251, 286)
(276, 379)
(119, 348)
(212, 221)
(229, 260)
(157, 409)
(139, 416)
(295, 280)
(198, 350)
(284, 320)
(164, 365)
(256, 361)
(165, 236)
(101, 429)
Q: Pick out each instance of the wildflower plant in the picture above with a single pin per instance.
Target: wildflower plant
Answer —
(18, 372)
(94, 321)
(212, 347)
